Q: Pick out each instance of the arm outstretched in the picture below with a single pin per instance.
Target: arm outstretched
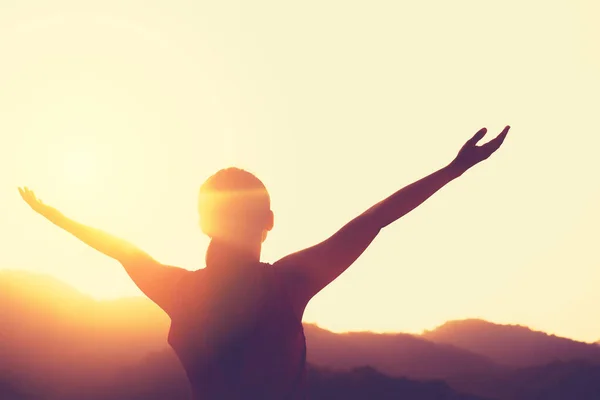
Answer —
(319, 265)
(153, 278)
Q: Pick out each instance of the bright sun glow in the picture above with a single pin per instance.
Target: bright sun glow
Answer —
(116, 112)
(79, 166)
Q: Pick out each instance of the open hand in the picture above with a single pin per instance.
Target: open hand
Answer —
(471, 154)
(36, 204)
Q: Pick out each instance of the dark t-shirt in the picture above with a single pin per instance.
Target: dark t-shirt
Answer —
(238, 334)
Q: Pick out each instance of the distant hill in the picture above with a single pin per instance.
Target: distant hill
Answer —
(50, 330)
(573, 380)
(9, 390)
(66, 345)
(367, 383)
(154, 379)
(58, 344)
(44, 309)
(559, 380)
(512, 345)
(394, 354)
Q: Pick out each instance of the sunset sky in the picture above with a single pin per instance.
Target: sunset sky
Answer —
(115, 113)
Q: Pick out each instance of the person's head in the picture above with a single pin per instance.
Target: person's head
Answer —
(234, 206)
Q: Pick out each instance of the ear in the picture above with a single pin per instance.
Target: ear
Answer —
(268, 225)
(270, 221)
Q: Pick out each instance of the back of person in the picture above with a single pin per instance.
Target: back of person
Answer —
(236, 325)
(237, 336)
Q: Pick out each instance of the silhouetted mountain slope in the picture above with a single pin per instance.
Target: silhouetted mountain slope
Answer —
(155, 380)
(58, 344)
(367, 383)
(50, 330)
(560, 380)
(62, 345)
(574, 380)
(9, 389)
(394, 354)
(512, 345)
(44, 309)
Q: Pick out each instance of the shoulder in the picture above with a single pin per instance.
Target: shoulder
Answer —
(183, 290)
(293, 282)
(287, 273)
(188, 279)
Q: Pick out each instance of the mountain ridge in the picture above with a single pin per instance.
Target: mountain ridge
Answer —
(511, 345)
(60, 342)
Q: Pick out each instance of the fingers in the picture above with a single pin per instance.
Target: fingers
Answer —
(28, 195)
(477, 137)
(25, 193)
(503, 134)
(495, 143)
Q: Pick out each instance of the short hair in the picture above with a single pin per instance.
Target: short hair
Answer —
(233, 194)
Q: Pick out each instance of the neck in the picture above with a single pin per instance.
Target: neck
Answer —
(229, 253)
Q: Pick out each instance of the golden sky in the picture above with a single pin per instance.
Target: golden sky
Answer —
(116, 112)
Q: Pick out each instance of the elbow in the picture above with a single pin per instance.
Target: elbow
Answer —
(371, 224)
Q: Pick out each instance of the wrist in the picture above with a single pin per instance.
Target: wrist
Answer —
(51, 213)
(455, 170)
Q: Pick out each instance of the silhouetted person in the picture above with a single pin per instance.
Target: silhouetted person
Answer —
(236, 324)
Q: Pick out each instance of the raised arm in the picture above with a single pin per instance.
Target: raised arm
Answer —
(153, 278)
(317, 266)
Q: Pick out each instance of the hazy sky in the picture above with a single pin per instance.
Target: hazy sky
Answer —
(116, 112)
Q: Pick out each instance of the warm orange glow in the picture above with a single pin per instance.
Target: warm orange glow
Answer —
(117, 115)
(79, 165)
